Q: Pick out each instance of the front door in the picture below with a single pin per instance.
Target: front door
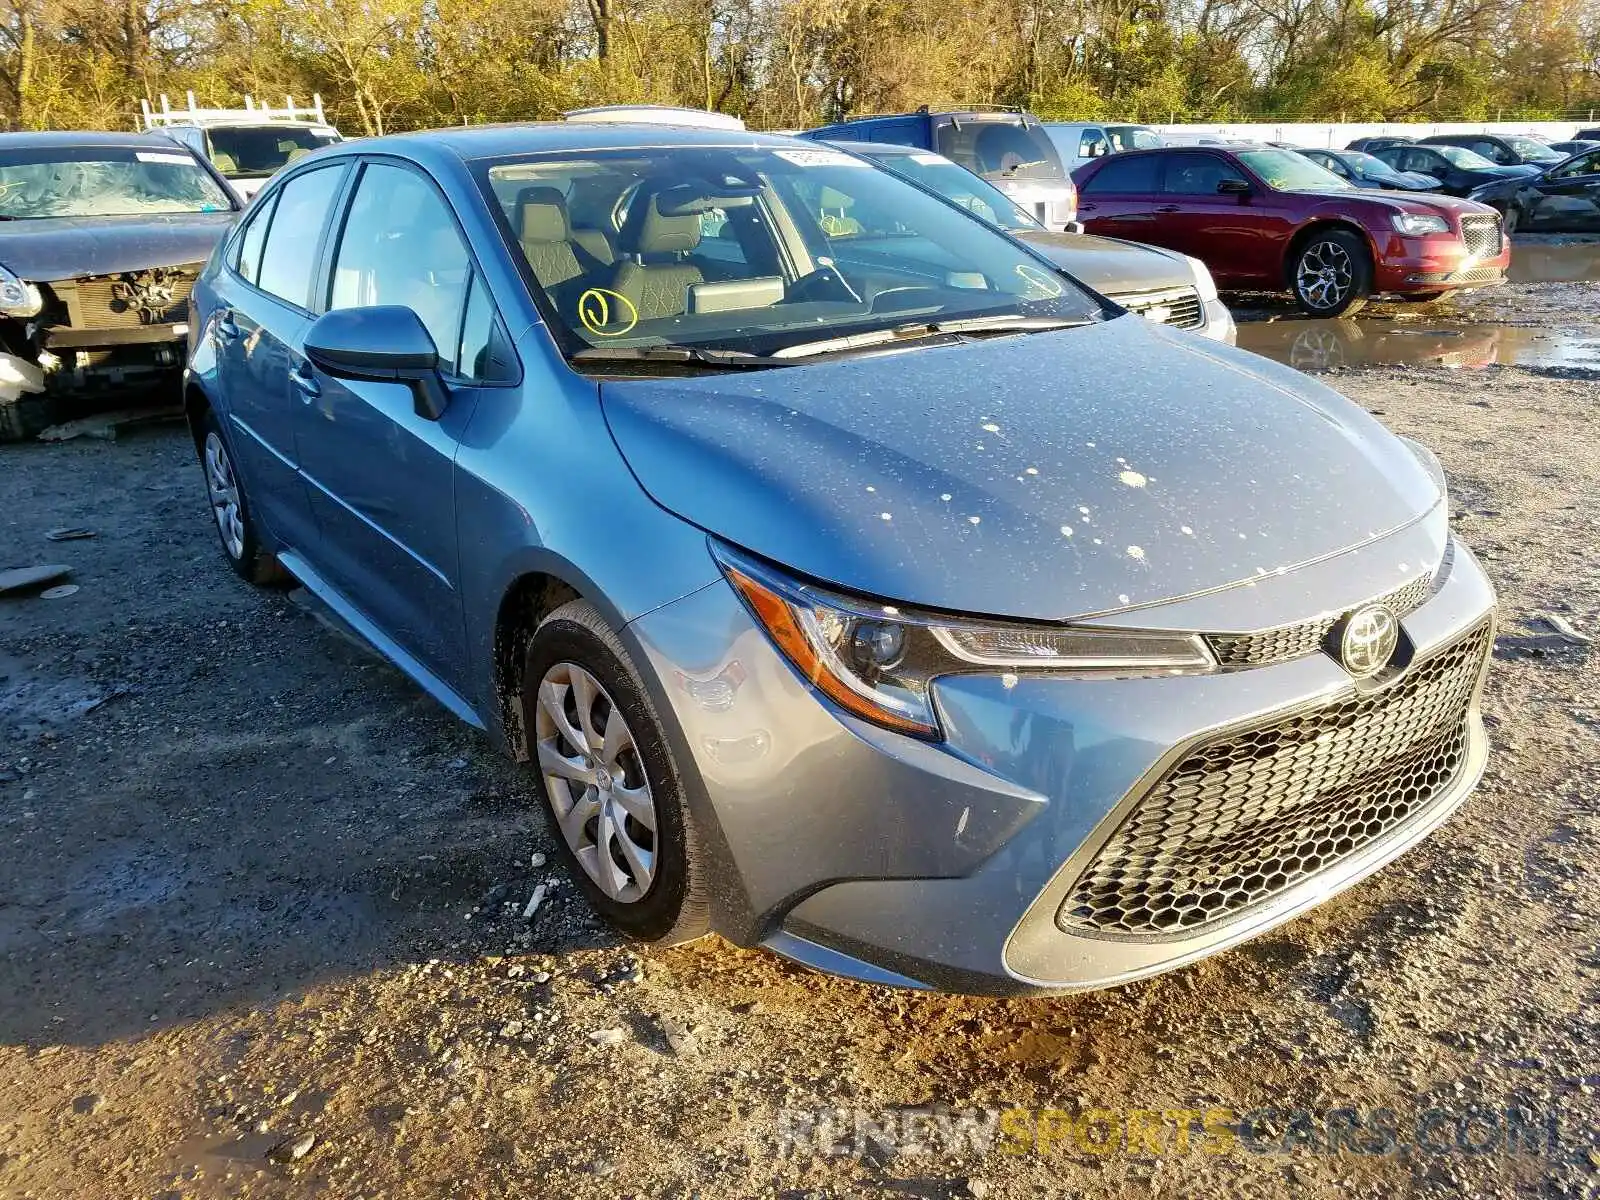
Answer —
(381, 477)
(1569, 197)
(1240, 237)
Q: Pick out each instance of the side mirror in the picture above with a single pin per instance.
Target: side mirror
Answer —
(387, 343)
(1232, 187)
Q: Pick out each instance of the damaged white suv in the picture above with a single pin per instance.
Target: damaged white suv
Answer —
(101, 238)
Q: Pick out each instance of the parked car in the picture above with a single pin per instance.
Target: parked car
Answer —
(1365, 171)
(246, 144)
(1588, 135)
(101, 238)
(1171, 289)
(1459, 172)
(1504, 149)
(1371, 145)
(1575, 147)
(1077, 142)
(1268, 218)
(1133, 137)
(1563, 198)
(1009, 149)
(931, 623)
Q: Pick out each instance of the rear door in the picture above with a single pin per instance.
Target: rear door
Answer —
(1120, 198)
(265, 311)
(381, 477)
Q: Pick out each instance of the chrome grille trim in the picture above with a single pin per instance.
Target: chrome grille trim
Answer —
(1247, 813)
(1483, 235)
(1288, 642)
(1184, 309)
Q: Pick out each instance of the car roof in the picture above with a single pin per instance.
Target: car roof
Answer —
(886, 149)
(509, 140)
(73, 140)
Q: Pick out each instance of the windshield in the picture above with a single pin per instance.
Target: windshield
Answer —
(1133, 137)
(1010, 149)
(756, 251)
(1367, 164)
(105, 182)
(246, 151)
(961, 186)
(1466, 159)
(1290, 172)
(1531, 150)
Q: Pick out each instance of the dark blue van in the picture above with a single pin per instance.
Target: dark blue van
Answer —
(1007, 147)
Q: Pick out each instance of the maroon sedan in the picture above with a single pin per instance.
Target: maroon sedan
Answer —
(1266, 218)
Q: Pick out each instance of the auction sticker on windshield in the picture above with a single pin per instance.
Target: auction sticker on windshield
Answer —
(820, 158)
(176, 160)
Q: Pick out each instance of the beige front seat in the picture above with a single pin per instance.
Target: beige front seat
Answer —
(546, 237)
(654, 274)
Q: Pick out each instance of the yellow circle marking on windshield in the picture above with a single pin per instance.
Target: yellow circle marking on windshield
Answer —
(594, 310)
(1039, 278)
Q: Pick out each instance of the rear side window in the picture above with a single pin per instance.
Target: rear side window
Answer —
(290, 258)
(1134, 176)
(247, 250)
(1092, 144)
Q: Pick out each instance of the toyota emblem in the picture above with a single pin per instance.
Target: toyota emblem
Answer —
(1368, 641)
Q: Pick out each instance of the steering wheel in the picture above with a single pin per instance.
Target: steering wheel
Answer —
(914, 296)
(825, 283)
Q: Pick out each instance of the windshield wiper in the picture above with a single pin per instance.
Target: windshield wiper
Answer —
(731, 360)
(1011, 323)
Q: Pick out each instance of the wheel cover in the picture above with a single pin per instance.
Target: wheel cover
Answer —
(596, 782)
(224, 490)
(1325, 275)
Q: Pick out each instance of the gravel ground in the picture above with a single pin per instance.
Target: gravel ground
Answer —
(262, 923)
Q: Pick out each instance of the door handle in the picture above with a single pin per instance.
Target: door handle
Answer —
(1167, 208)
(225, 329)
(305, 384)
(1087, 207)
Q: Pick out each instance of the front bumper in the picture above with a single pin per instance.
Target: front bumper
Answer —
(880, 857)
(1438, 262)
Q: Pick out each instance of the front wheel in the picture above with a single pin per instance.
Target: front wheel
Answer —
(1511, 220)
(1332, 274)
(610, 780)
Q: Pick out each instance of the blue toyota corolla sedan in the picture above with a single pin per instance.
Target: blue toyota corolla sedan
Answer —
(852, 581)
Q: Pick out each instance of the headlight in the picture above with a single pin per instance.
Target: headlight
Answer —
(878, 661)
(18, 298)
(1204, 284)
(1417, 224)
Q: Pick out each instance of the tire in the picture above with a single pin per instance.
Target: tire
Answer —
(595, 799)
(1331, 275)
(236, 528)
(1511, 219)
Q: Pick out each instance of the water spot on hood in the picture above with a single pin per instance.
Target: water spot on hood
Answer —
(1123, 598)
(944, 496)
(1136, 553)
(973, 520)
(1066, 531)
(886, 516)
(870, 488)
(1032, 471)
(1084, 509)
(1185, 530)
(1132, 478)
(1009, 680)
(991, 427)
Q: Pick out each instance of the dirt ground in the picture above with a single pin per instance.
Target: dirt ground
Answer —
(262, 920)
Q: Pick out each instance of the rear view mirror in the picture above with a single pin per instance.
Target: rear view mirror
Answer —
(386, 343)
(1233, 187)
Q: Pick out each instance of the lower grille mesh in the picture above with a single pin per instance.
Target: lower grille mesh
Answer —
(1259, 809)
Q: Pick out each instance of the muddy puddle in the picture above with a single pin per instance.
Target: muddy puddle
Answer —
(1312, 345)
(1559, 260)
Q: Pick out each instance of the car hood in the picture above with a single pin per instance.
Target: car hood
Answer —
(1038, 476)
(1400, 202)
(72, 247)
(1111, 266)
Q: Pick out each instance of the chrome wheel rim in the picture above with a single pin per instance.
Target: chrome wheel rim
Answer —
(224, 489)
(596, 782)
(1325, 275)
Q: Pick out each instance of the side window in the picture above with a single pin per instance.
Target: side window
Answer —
(1491, 151)
(1334, 165)
(1588, 164)
(290, 258)
(1092, 144)
(482, 357)
(247, 249)
(1133, 176)
(1418, 160)
(1197, 174)
(400, 245)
